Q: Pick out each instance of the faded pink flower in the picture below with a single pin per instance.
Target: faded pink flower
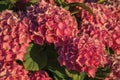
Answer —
(113, 3)
(51, 23)
(15, 36)
(82, 54)
(13, 71)
(14, 40)
(104, 25)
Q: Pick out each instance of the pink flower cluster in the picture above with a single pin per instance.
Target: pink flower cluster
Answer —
(12, 71)
(113, 3)
(51, 23)
(114, 63)
(82, 54)
(80, 49)
(14, 40)
(104, 25)
(14, 36)
(87, 53)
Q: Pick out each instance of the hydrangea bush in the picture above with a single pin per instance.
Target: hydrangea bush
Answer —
(59, 40)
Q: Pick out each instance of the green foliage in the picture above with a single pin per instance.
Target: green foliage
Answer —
(72, 6)
(109, 50)
(101, 1)
(19, 62)
(76, 75)
(60, 3)
(59, 73)
(82, 5)
(33, 1)
(103, 72)
(5, 4)
(10, 4)
(13, 1)
(35, 58)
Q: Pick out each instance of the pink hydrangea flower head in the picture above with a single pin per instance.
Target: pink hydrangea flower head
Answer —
(49, 23)
(82, 54)
(13, 71)
(113, 3)
(104, 25)
(14, 38)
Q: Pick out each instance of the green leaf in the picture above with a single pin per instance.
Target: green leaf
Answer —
(60, 3)
(76, 75)
(82, 5)
(3, 2)
(103, 72)
(101, 1)
(59, 73)
(56, 72)
(19, 62)
(51, 55)
(3, 7)
(35, 58)
(75, 11)
(13, 1)
(109, 50)
(67, 7)
(7, 4)
(33, 1)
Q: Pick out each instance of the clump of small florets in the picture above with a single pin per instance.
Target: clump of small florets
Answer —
(104, 25)
(82, 54)
(51, 23)
(14, 40)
